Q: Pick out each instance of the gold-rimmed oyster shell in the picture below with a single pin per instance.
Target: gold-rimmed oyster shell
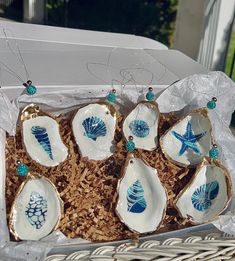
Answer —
(189, 140)
(207, 194)
(94, 127)
(41, 137)
(36, 210)
(142, 123)
(142, 199)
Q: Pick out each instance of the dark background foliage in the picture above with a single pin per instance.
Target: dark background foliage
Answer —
(151, 18)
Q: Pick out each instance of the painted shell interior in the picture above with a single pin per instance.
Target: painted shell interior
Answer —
(142, 124)
(141, 197)
(41, 137)
(37, 209)
(189, 140)
(208, 193)
(93, 128)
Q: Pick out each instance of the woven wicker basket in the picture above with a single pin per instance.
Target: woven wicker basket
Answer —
(212, 247)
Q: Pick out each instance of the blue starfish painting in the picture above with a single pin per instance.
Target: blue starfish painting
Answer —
(189, 139)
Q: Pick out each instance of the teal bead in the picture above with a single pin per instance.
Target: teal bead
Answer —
(211, 104)
(22, 169)
(214, 153)
(150, 96)
(31, 89)
(111, 97)
(130, 145)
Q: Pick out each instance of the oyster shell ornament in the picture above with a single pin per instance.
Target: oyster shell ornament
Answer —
(94, 127)
(141, 197)
(142, 124)
(36, 210)
(207, 194)
(41, 137)
(189, 140)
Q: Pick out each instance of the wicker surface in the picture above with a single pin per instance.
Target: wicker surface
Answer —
(213, 247)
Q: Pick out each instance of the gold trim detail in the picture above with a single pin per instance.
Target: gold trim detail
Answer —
(204, 113)
(32, 111)
(113, 113)
(207, 162)
(123, 171)
(153, 105)
(33, 176)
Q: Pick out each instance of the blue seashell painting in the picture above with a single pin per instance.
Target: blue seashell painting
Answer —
(94, 127)
(202, 197)
(136, 202)
(36, 211)
(139, 128)
(42, 137)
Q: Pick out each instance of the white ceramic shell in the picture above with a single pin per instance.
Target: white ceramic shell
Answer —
(37, 195)
(195, 130)
(207, 194)
(94, 127)
(143, 210)
(142, 124)
(49, 151)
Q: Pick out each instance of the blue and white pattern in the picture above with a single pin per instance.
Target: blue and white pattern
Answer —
(94, 128)
(42, 137)
(135, 198)
(189, 140)
(202, 197)
(139, 128)
(36, 211)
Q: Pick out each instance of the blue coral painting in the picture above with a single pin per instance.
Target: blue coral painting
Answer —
(203, 196)
(188, 140)
(36, 210)
(136, 202)
(139, 128)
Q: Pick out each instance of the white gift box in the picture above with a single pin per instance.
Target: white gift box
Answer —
(64, 63)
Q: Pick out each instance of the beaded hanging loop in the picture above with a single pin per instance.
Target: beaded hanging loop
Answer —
(111, 97)
(30, 89)
(22, 169)
(214, 153)
(212, 104)
(130, 145)
(150, 96)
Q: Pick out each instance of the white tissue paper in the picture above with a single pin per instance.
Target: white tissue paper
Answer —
(187, 94)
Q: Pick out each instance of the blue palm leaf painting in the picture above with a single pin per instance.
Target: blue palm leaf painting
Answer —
(202, 197)
(135, 198)
(36, 211)
(94, 127)
(42, 137)
(139, 128)
(189, 140)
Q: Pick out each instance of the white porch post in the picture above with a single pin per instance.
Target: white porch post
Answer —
(203, 30)
(34, 11)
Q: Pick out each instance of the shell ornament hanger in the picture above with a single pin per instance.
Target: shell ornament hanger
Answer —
(41, 137)
(29, 87)
(37, 207)
(190, 139)
(208, 193)
(140, 185)
(93, 127)
(140, 127)
(40, 132)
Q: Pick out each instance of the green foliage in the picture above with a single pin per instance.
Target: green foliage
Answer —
(151, 18)
(55, 13)
(230, 56)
